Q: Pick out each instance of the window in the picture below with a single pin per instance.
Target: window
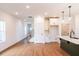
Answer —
(2, 31)
(25, 29)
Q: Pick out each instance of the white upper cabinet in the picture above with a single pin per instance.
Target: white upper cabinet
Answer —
(54, 21)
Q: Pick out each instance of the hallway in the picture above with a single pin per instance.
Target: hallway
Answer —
(31, 49)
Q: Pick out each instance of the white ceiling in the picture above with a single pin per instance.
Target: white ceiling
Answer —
(53, 9)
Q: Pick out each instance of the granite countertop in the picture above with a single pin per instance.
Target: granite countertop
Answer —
(72, 40)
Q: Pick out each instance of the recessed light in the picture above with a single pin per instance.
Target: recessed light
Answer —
(27, 6)
(16, 13)
(24, 19)
(45, 13)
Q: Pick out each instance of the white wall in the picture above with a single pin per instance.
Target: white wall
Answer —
(14, 30)
(76, 22)
(20, 29)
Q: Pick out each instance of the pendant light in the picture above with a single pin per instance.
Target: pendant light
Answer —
(62, 20)
(66, 19)
(62, 15)
(69, 17)
(69, 11)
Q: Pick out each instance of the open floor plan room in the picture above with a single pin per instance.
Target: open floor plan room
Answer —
(39, 29)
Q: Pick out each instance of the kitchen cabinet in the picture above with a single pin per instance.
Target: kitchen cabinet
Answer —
(54, 21)
(50, 22)
(51, 31)
(69, 47)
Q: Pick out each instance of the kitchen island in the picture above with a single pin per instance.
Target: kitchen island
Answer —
(70, 45)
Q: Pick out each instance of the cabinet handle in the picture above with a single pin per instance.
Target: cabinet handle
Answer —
(68, 42)
(60, 39)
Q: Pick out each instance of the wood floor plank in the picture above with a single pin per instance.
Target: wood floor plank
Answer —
(30, 49)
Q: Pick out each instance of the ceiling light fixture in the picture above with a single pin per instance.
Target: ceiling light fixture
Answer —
(27, 6)
(68, 18)
(45, 13)
(62, 15)
(16, 13)
(69, 12)
(63, 20)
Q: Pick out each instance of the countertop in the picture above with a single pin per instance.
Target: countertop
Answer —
(72, 40)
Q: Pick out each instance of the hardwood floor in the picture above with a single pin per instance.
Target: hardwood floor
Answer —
(31, 49)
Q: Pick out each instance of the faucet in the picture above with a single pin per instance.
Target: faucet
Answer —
(72, 33)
